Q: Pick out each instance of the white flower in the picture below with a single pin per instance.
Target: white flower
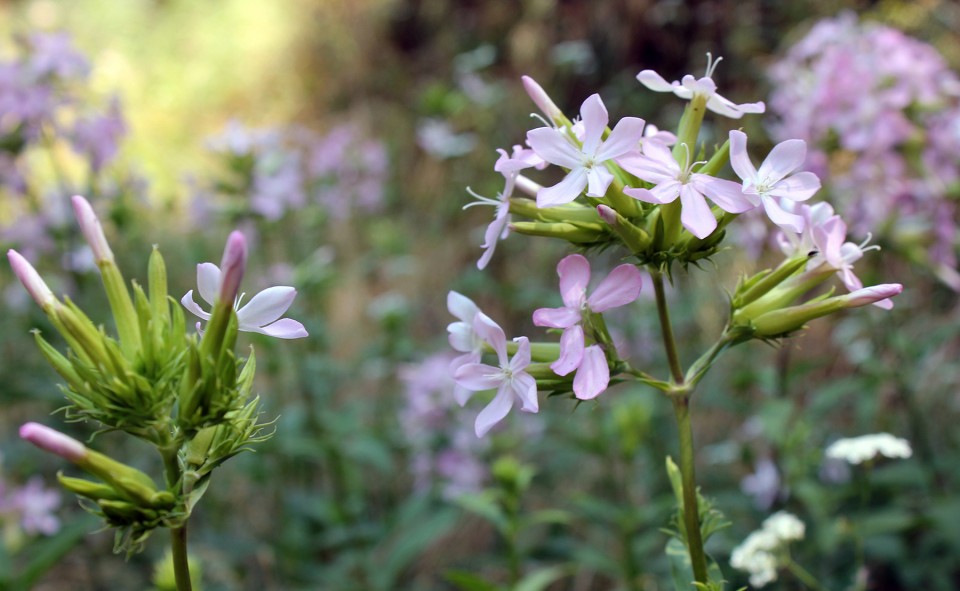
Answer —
(785, 526)
(705, 87)
(857, 450)
(759, 554)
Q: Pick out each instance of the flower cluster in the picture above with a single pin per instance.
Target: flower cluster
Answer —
(281, 170)
(857, 450)
(760, 554)
(879, 111)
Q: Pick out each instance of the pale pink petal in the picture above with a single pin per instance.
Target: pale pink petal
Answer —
(285, 328)
(663, 156)
(208, 282)
(797, 187)
(571, 351)
(461, 307)
(641, 194)
(574, 272)
(461, 336)
(727, 108)
(187, 302)
(554, 147)
(267, 306)
(783, 159)
(565, 191)
(598, 180)
(727, 194)
(525, 388)
(654, 81)
(594, 116)
(556, 317)
(490, 331)
(520, 359)
(460, 393)
(495, 412)
(666, 192)
(495, 231)
(619, 288)
(739, 159)
(785, 220)
(625, 136)
(695, 214)
(593, 376)
(478, 376)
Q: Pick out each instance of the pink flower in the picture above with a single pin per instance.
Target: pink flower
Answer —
(509, 378)
(463, 338)
(262, 314)
(690, 87)
(586, 163)
(619, 288)
(775, 179)
(657, 165)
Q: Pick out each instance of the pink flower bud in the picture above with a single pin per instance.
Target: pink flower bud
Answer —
(875, 294)
(31, 280)
(541, 99)
(92, 231)
(232, 266)
(607, 214)
(53, 441)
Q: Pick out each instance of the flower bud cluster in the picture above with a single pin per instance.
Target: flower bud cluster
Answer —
(190, 398)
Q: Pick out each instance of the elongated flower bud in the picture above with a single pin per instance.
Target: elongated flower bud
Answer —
(543, 101)
(31, 280)
(787, 320)
(54, 442)
(635, 238)
(232, 266)
(91, 228)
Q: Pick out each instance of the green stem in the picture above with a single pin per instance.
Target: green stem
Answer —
(178, 535)
(669, 343)
(804, 575)
(691, 514)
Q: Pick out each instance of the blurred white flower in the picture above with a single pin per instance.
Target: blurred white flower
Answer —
(857, 450)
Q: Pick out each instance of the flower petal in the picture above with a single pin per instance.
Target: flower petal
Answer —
(208, 282)
(554, 147)
(571, 351)
(494, 412)
(654, 81)
(525, 388)
(783, 159)
(490, 331)
(285, 328)
(187, 302)
(478, 376)
(593, 377)
(460, 393)
(695, 214)
(666, 192)
(739, 159)
(520, 359)
(461, 307)
(594, 116)
(574, 272)
(565, 191)
(784, 219)
(555, 317)
(598, 180)
(727, 194)
(625, 136)
(266, 307)
(797, 187)
(640, 194)
(619, 288)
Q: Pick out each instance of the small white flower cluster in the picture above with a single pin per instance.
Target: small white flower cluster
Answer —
(857, 450)
(758, 553)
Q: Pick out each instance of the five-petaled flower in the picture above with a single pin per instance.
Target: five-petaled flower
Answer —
(261, 314)
(690, 87)
(775, 180)
(509, 378)
(619, 288)
(586, 163)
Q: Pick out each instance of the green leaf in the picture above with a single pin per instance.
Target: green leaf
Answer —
(486, 506)
(466, 581)
(542, 578)
(681, 570)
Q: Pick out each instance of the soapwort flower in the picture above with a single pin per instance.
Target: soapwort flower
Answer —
(262, 314)
(690, 87)
(509, 377)
(587, 164)
(619, 288)
(776, 178)
(658, 166)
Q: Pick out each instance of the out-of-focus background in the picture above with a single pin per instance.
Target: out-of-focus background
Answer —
(340, 137)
